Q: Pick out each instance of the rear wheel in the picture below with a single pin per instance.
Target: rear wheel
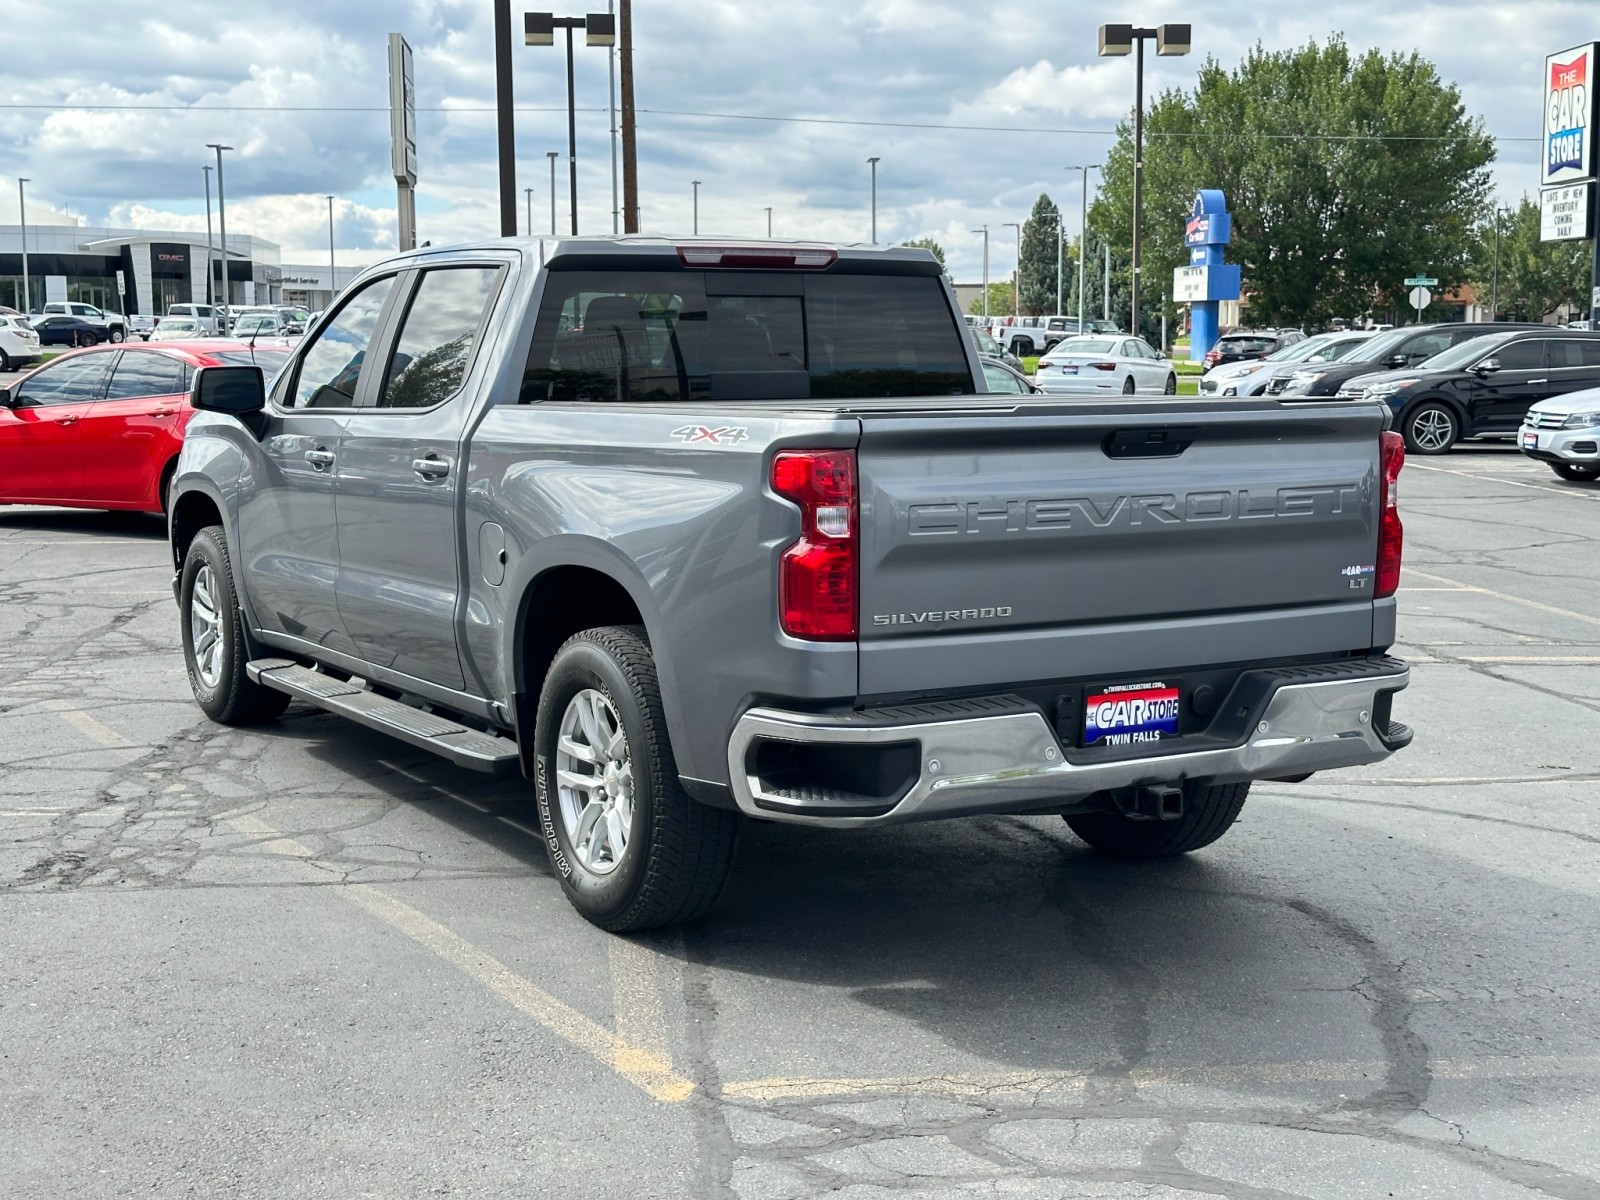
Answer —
(1128, 387)
(84, 338)
(1022, 347)
(1208, 811)
(1576, 474)
(117, 335)
(213, 637)
(1430, 429)
(1172, 385)
(632, 850)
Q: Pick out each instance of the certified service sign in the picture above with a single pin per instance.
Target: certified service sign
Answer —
(1569, 114)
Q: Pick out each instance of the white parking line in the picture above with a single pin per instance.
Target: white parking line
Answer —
(1538, 487)
(1507, 596)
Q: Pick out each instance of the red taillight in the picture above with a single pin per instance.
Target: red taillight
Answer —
(817, 574)
(1391, 536)
(1213, 356)
(1104, 366)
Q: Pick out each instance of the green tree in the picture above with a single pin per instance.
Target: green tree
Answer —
(1040, 268)
(933, 247)
(1534, 278)
(1000, 297)
(1344, 173)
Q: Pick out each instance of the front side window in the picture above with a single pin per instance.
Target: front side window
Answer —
(1521, 356)
(332, 364)
(686, 336)
(145, 373)
(437, 338)
(75, 381)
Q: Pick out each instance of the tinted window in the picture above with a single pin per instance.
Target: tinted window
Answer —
(1426, 346)
(1575, 352)
(75, 381)
(435, 344)
(145, 373)
(1247, 345)
(1001, 380)
(1521, 356)
(710, 336)
(332, 364)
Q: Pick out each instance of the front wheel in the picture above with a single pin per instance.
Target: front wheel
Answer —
(1576, 474)
(1430, 429)
(1171, 388)
(632, 850)
(1128, 386)
(213, 637)
(117, 335)
(1208, 811)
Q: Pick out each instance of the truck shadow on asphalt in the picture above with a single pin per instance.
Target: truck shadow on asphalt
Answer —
(20, 519)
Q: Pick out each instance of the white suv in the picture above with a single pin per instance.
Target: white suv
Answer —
(19, 343)
(1564, 433)
(205, 314)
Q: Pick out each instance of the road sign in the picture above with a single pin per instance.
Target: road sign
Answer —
(1421, 297)
(1422, 281)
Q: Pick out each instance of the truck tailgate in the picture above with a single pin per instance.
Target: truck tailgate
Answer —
(1069, 540)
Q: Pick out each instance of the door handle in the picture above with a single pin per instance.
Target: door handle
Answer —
(319, 458)
(431, 467)
(1534, 381)
(159, 412)
(69, 420)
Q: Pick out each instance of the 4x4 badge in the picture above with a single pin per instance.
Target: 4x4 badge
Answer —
(723, 435)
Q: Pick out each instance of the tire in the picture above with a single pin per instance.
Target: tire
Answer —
(1430, 428)
(674, 853)
(1128, 387)
(1576, 474)
(1171, 388)
(84, 338)
(1022, 347)
(117, 335)
(5, 362)
(1208, 811)
(220, 685)
(164, 486)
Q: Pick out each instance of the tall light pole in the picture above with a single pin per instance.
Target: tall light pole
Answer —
(22, 215)
(210, 290)
(333, 288)
(1083, 234)
(1016, 276)
(873, 163)
(1494, 282)
(222, 229)
(985, 232)
(527, 199)
(1119, 40)
(611, 78)
(696, 184)
(769, 220)
(552, 155)
(538, 29)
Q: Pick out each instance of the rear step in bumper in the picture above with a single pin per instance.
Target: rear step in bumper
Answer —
(462, 745)
(1008, 758)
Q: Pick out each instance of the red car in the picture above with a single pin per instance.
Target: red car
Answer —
(101, 428)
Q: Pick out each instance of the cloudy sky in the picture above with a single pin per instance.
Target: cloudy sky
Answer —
(110, 118)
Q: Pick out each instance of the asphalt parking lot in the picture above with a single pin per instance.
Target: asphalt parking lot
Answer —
(306, 960)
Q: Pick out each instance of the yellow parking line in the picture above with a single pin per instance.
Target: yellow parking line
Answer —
(636, 994)
(89, 727)
(1483, 591)
(645, 1066)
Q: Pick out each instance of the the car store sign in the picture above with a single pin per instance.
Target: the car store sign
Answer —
(1566, 197)
(1566, 213)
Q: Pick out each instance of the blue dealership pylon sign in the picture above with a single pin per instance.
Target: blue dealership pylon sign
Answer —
(1207, 280)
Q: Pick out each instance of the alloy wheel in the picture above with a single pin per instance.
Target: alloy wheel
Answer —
(594, 780)
(205, 628)
(1433, 430)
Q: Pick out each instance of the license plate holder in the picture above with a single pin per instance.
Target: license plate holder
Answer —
(1530, 441)
(1128, 714)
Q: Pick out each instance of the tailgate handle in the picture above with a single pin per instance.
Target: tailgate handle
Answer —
(1165, 442)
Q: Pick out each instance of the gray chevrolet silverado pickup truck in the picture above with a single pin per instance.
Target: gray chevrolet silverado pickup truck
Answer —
(692, 533)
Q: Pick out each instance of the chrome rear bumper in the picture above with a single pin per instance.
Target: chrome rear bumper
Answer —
(1001, 754)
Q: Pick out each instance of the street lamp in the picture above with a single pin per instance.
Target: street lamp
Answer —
(22, 215)
(769, 220)
(222, 230)
(1083, 235)
(539, 29)
(527, 198)
(873, 163)
(552, 155)
(696, 184)
(210, 292)
(333, 289)
(1016, 276)
(1118, 41)
(985, 232)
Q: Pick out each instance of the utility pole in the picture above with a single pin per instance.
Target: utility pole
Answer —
(769, 220)
(696, 184)
(22, 215)
(1108, 282)
(1060, 249)
(1016, 276)
(222, 224)
(873, 163)
(630, 137)
(527, 196)
(985, 232)
(210, 292)
(552, 155)
(611, 73)
(333, 288)
(1494, 283)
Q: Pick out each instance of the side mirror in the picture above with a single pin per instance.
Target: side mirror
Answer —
(1397, 362)
(5, 398)
(1488, 366)
(237, 391)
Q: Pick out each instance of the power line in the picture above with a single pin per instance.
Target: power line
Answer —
(716, 116)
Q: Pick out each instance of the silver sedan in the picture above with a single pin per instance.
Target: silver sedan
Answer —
(1115, 364)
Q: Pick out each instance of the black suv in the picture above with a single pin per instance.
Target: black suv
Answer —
(1483, 385)
(1243, 346)
(1392, 350)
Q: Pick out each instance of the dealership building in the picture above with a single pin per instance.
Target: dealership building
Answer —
(146, 271)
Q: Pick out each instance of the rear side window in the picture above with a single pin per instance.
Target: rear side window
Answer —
(1576, 352)
(1247, 345)
(75, 381)
(682, 336)
(436, 341)
(145, 373)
